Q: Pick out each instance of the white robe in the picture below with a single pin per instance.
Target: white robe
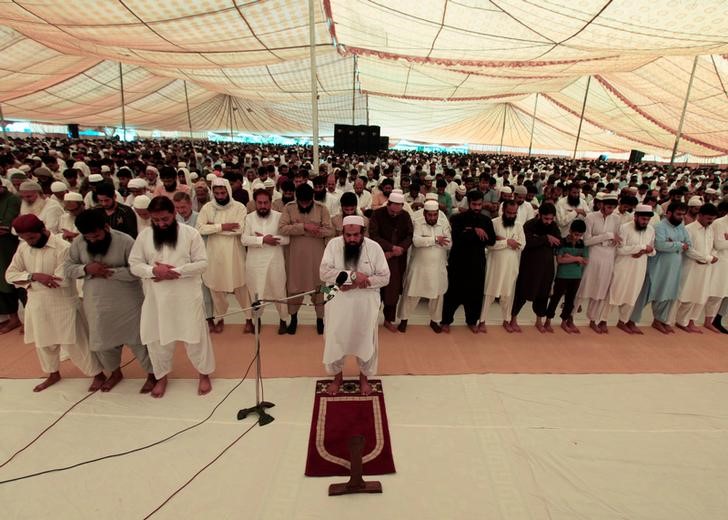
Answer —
(566, 214)
(599, 237)
(47, 210)
(525, 213)
(719, 275)
(697, 269)
(503, 262)
(265, 268)
(351, 320)
(629, 273)
(427, 267)
(224, 248)
(173, 310)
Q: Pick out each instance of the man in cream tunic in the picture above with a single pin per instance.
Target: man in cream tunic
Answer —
(35, 203)
(719, 276)
(504, 258)
(170, 257)
(630, 266)
(427, 272)
(351, 323)
(221, 222)
(53, 317)
(265, 268)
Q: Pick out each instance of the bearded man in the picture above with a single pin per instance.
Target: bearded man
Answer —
(265, 268)
(308, 225)
(73, 206)
(9, 294)
(362, 264)
(112, 296)
(173, 256)
(53, 318)
(170, 184)
(288, 194)
(35, 203)
(570, 208)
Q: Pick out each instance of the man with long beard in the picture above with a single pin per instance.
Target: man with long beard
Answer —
(73, 206)
(170, 184)
(53, 318)
(570, 208)
(361, 262)
(173, 256)
(9, 294)
(504, 257)
(221, 222)
(35, 203)
(308, 225)
(112, 296)
(265, 268)
(288, 194)
(630, 266)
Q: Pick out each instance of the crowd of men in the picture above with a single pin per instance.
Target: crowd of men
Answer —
(155, 235)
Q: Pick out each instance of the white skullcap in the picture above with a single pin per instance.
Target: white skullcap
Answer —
(210, 177)
(506, 189)
(600, 196)
(95, 177)
(429, 178)
(152, 169)
(137, 183)
(431, 205)
(353, 220)
(462, 190)
(25, 168)
(30, 186)
(397, 190)
(79, 165)
(695, 201)
(430, 196)
(58, 187)
(12, 171)
(643, 208)
(711, 191)
(105, 169)
(396, 198)
(141, 202)
(194, 176)
(72, 196)
(520, 190)
(633, 189)
(269, 183)
(181, 164)
(218, 181)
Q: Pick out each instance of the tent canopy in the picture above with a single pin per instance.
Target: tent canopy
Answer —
(426, 70)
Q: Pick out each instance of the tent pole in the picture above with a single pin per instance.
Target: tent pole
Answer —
(314, 89)
(2, 122)
(366, 99)
(581, 118)
(533, 124)
(503, 130)
(353, 94)
(123, 103)
(682, 116)
(230, 117)
(189, 117)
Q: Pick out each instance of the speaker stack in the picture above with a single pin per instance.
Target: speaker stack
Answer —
(359, 139)
(73, 131)
(636, 156)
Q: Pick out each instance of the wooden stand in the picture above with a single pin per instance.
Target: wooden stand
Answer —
(356, 483)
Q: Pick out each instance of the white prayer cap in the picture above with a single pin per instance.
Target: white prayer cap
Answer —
(194, 176)
(353, 220)
(633, 189)
(396, 198)
(137, 183)
(218, 181)
(141, 202)
(151, 168)
(430, 196)
(600, 196)
(506, 189)
(30, 186)
(429, 178)
(79, 165)
(25, 168)
(181, 164)
(269, 183)
(210, 177)
(105, 169)
(695, 201)
(95, 177)
(12, 171)
(431, 205)
(711, 191)
(520, 190)
(58, 187)
(462, 190)
(643, 208)
(72, 196)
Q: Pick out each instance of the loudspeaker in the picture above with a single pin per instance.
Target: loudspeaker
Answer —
(384, 142)
(636, 156)
(373, 144)
(341, 138)
(603, 158)
(362, 139)
(73, 131)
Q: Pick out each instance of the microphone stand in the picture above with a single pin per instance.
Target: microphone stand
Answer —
(260, 406)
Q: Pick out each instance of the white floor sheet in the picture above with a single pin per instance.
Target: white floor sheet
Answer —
(477, 447)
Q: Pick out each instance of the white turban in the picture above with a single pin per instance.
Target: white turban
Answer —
(141, 202)
(353, 220)
(431, 205)
(396, 198)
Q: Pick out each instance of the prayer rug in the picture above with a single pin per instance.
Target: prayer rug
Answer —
(336, 418)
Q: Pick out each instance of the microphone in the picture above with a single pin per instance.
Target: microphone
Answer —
(329, 291)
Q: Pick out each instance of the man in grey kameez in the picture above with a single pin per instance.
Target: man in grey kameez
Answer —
(112, 296)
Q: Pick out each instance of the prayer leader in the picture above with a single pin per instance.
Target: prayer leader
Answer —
(351, 323)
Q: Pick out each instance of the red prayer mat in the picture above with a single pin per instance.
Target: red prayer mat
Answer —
(339, 417)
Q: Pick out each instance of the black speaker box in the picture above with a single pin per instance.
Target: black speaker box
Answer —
(362, 139)
(373, 144)
(384, 142)
(636, 156)
(73, 131)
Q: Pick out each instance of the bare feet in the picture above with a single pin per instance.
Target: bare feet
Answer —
(482, 327)
(211, 325)
(574, 328)
(113, 380)
(690, 327)
(623, 326)
(658, 325)
(565, 327)
(11, 324)
(364, 386)
(148, 384)
(634, 328)
(668, 328)
(547, 326)
(540, 327)
(445, 328)
(52, 379)
(159, 387)
(390, 326)
(97, 382)
(473, 328)
(204, 386)
(333, 387)
(219, 327)
(709, 325)
(249, 327)
(593, 326)
(603, 327)
(514, 325)
(507, 326)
